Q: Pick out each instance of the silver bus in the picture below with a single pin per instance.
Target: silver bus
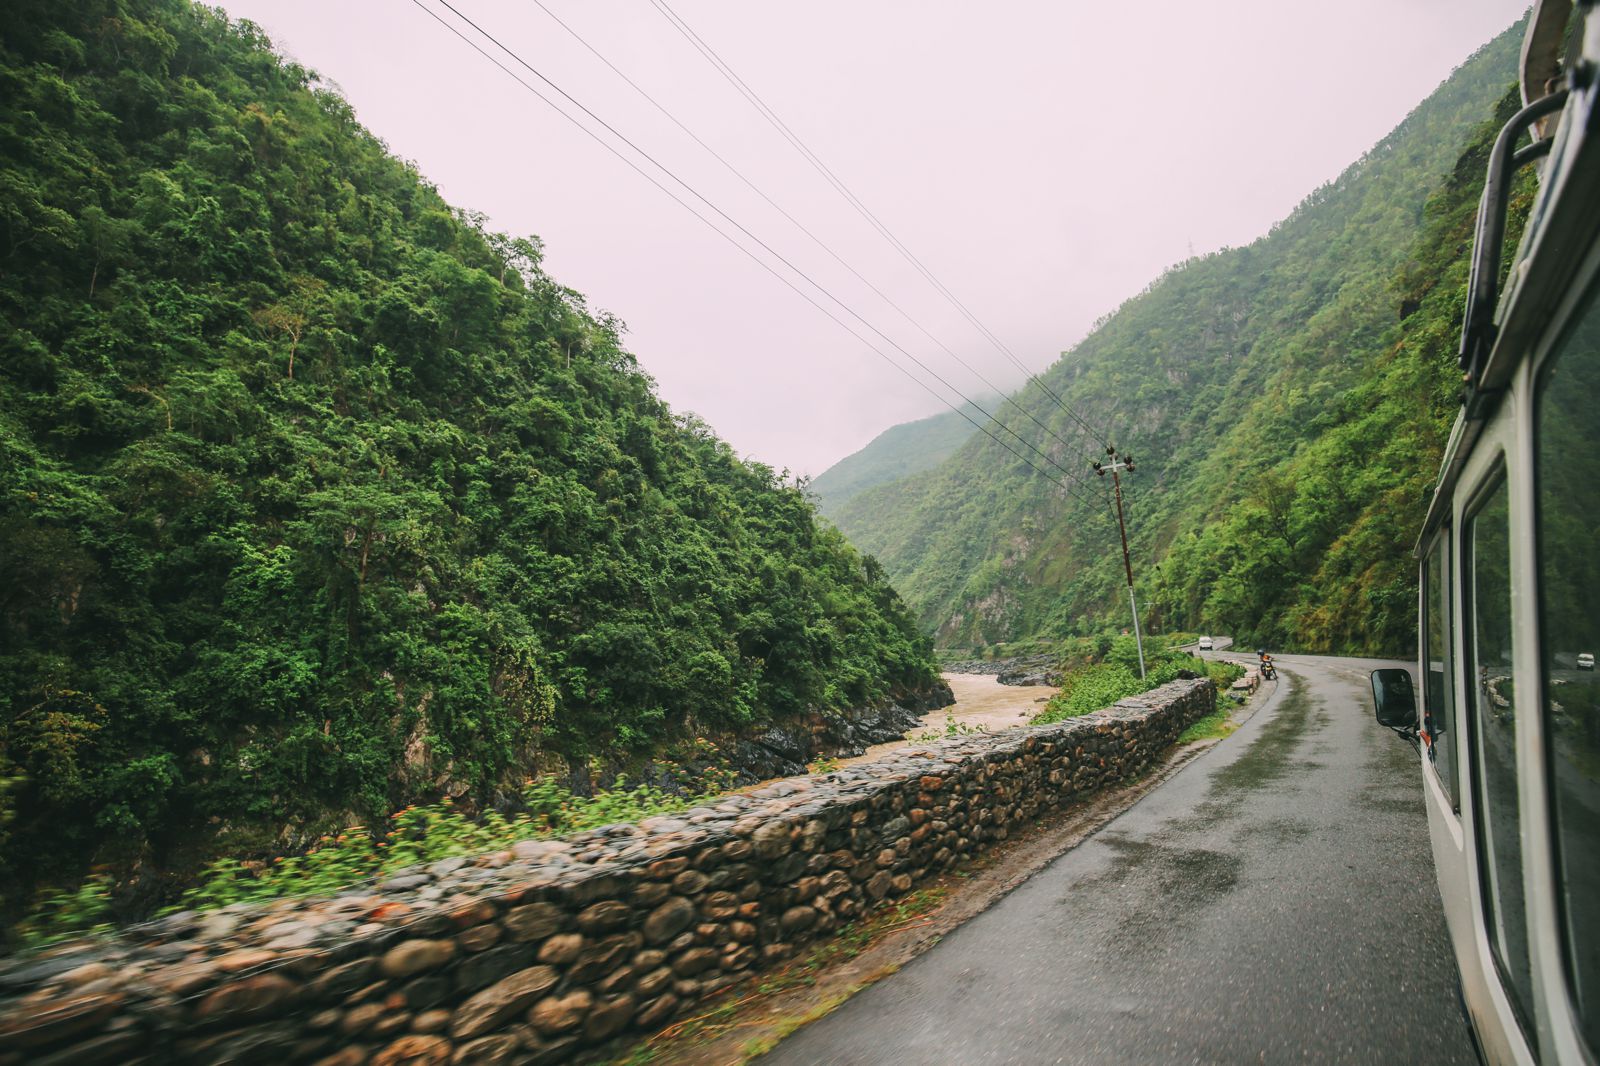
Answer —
(1509, 730)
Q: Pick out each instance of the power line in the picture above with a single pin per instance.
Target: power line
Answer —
(772, 117)
(727, 218)
(768, 248)
(819, 242)
(735, 242)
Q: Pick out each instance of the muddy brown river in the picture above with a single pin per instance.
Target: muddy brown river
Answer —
(981, 702)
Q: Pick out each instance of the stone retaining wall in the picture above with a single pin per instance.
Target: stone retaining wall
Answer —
(536, 954)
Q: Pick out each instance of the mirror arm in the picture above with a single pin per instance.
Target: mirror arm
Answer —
(1409, 734)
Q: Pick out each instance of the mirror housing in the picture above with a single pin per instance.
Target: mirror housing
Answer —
(1395, 698)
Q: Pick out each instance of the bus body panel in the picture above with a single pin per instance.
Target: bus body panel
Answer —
(1556, 1015)
(1552, 282)
(1494, 459)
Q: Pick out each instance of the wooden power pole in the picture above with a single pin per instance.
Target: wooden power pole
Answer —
(1114, 466)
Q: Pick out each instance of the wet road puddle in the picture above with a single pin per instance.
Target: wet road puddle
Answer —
(1269, 758)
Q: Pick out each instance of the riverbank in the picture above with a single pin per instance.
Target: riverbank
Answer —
(981, 702)
(1021, 670)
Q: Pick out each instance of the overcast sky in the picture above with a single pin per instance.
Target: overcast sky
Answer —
(1045, 160)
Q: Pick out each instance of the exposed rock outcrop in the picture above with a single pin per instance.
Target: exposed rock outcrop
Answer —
(1019, 670)
(784, 749)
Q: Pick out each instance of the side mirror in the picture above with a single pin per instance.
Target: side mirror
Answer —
(1395, 699)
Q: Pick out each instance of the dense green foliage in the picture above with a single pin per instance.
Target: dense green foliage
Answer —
(316, 498)
(1097, 672)
(1287, 403)
(898, 452)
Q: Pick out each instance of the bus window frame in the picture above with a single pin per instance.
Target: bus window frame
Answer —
(1494, 473)
(1557, 262)
(1583, 296)
(1443, 540)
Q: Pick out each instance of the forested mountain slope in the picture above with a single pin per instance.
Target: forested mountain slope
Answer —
(899, 451)
(316, 498)
(1287, 403)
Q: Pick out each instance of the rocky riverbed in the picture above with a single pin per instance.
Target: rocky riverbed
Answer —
(785, 749)
(981, 702)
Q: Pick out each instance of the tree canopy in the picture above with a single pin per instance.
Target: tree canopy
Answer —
(317, 497)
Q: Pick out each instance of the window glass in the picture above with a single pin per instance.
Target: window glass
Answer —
(1495, 719)
(1567, 437)
(1439, 697)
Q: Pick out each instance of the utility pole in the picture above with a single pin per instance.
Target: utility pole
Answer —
(1112, 466)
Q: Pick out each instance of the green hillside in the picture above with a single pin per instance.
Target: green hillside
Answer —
(1287, 403)
(317, 498)
(897, 452)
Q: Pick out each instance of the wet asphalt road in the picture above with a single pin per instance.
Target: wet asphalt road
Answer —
(1272, 902)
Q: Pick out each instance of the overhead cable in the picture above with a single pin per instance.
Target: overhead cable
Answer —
(1065, 487)
(819, 242)
(723, 215)
(772, 117)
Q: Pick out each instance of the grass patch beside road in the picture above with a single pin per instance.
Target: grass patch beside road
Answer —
(1219, 723)
(1213, 726)
(1094, 676)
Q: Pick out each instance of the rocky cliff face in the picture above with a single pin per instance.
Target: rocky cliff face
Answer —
(1021, 670)
(783, 750)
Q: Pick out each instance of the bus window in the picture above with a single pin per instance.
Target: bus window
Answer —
(1438, 695)
(1567, 436)
(1494, 726)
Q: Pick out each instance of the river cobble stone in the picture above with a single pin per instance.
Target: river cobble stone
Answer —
(552, 949)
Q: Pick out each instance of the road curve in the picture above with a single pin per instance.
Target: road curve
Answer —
(1273, 902)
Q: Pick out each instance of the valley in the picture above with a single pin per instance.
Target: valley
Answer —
(390, 675)
(1265, 391)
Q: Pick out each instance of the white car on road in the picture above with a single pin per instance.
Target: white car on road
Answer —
(1207, 644)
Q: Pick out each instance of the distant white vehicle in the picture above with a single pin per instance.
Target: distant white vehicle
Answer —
(1207, 644)
(1586, 660)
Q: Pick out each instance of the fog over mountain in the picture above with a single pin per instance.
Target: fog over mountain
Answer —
(1045, 160)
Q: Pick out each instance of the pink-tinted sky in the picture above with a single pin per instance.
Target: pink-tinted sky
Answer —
(1045, 160)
